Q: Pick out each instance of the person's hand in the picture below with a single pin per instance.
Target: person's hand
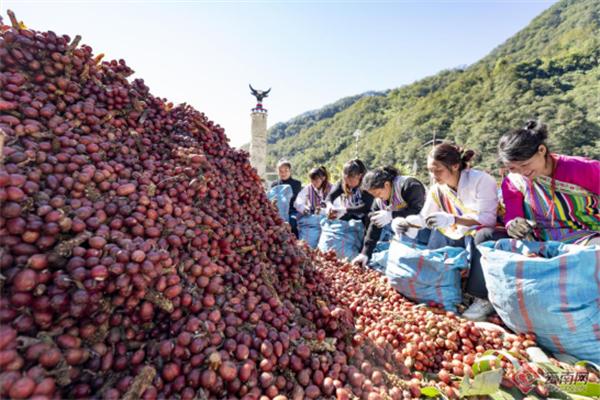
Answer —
(322, 211)
(440, 220)
(336, 213)
(520, 228)
(400, 226)
(329, 211)
(381, 218)
(361, 260)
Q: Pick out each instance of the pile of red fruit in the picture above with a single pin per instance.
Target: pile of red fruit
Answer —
(140, 258)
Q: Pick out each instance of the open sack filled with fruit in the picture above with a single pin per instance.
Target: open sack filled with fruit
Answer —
(549, 288)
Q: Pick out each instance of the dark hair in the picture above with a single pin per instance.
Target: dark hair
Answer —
(377, 178)
(352, 168)
(522, 144)
(451, 154)
(320, 172)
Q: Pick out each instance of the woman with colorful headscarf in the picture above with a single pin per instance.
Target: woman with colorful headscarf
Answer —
(548, 196)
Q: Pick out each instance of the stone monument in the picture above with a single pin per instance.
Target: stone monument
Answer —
(258, 141)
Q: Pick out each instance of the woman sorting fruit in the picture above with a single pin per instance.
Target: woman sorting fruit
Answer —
(311, 199)
(395, 196)
(460, 210)
(346, 200)
(548, 196)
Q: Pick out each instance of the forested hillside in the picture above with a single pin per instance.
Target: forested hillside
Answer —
(549, 71)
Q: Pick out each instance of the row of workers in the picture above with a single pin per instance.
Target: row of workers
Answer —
(546, 196)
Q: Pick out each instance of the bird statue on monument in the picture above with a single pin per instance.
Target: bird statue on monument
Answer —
(260, 95)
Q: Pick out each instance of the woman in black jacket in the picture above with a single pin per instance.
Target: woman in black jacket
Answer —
(353, 203)
(284, 170)
(395, 196)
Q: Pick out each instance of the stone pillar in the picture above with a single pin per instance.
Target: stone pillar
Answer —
(258, 142)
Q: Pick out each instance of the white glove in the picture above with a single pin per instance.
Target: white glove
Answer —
(415, 219)
(520, 228)
(400, 226)
(440, 220)
(381, 218)
(361, 260)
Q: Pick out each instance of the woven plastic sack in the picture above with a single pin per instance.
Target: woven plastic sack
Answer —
(281, 194)
(343, 237)
(425, 275)
(549, 288)
(309, 229)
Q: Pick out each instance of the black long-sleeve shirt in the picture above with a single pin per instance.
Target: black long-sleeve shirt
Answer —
(296, 188)
(413, 193)
(358, 211)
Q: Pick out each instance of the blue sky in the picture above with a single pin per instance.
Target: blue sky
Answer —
(310, 52)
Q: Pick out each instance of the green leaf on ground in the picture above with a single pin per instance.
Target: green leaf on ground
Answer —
(487, 382)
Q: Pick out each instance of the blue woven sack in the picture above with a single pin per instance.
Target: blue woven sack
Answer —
(343, 237)
(281, 194)
(425, 275)
(309, 229)
(549, 288)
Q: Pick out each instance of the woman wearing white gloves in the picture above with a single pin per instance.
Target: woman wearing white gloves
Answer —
(461, 211)
(396, 196)
(548, 196)
(311, 199)
(346, 200)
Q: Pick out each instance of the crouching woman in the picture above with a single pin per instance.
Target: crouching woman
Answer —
(460, 210)
(395, 195)
(548, 196)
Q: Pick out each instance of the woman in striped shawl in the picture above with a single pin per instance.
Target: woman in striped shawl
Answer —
(311, 199)
(311, 206)
(548, 196)
(460, 210)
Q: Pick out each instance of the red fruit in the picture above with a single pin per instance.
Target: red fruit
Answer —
(22, 388)
(38, 262)
(7, 357)
(50, 358)
(7, 337)
(303, 351)
(342, 394)
(126, 189)
(138, 256)
(208, 379)
(46, 387)
(25, 280)
(444, 376)
(312, 392)
(170, 372)
(228, 371)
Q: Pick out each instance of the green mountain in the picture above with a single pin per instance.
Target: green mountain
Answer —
(549, 70)
(282, 130)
